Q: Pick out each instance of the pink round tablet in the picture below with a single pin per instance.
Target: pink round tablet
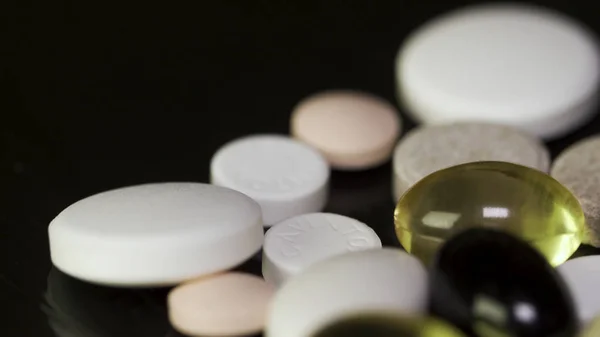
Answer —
(229, 304)
(353, 130)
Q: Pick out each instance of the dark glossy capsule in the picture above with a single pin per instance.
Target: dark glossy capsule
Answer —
(490, 283)
(387, 325)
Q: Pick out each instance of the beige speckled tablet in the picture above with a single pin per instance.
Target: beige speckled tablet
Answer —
(230, 304)
(427, 149)
(353, 130)
(578, 168)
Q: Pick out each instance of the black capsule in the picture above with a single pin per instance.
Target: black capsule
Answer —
(490, 283)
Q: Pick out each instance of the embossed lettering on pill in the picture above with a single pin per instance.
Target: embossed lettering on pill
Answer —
(295, 243)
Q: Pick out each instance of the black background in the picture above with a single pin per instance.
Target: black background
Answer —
(98, 96)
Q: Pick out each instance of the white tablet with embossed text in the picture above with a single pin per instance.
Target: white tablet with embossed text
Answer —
(286, 177)
(296, 243)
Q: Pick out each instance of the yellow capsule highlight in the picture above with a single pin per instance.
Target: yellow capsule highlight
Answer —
(520, 200)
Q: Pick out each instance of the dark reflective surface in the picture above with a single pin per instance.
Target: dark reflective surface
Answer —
(75, 308)
(103, 96)
(490, 283)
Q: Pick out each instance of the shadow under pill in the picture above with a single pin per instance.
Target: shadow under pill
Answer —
(365, 196)
(252, 265)
(585, 250)
(77, 308)
(353, 193)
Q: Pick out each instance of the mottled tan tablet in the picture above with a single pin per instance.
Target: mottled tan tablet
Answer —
(230, 304)
(427, 149)
(353, 130)
(578, 168)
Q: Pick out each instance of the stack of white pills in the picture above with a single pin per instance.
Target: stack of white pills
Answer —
(488, 83)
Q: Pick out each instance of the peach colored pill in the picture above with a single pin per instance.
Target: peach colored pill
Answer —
(230, 304)
(353, 130)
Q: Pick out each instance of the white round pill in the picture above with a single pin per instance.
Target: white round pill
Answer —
(155, 234)
(582, 276)
(284, 176)
(518, 65)
(366, 281)
(230, 304)
(427, 149)
(298, 242)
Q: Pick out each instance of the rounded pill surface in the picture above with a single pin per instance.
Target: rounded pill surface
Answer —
(427, 149)
(582, 275)
(519, 65)
(284, 176)
(353, 130)
(230, 304)
(298, 242)
(155, 234)
(364, 281)
(578, 168)
(76, 308)
(509, 197)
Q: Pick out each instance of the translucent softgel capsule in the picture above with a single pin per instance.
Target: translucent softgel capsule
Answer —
(500, 195)
(387, 324)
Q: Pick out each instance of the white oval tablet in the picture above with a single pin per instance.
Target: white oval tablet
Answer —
(230, 304)
(298, 242)
(427, 149)
(284, 176)
(353, 130)
(518, 65)
(582, 276)
(155, 234)
(578, 168)
(365, 281)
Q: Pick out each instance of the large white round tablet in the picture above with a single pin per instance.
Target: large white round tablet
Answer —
(285, 176)
(518, 65)
(582, 276)
(366, 281)
(298, 242)
(155, 234)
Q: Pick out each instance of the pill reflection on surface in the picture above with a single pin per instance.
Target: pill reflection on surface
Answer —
(387, 324)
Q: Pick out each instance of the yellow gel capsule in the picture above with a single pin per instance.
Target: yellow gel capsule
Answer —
(592, 329)
(387, 325)
(520, 200)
